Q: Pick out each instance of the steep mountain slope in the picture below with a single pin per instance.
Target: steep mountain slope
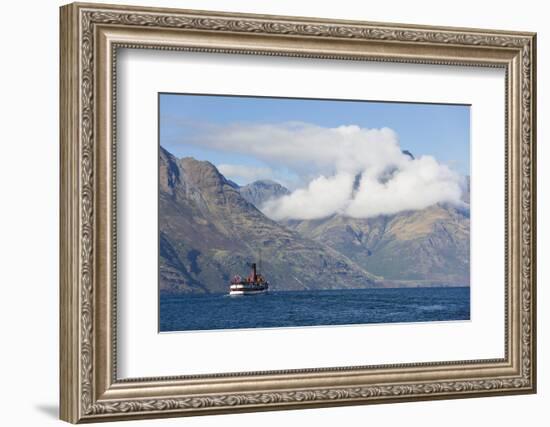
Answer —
(209, 232)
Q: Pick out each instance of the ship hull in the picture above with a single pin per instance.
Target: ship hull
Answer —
(247, 289)
(247, 292)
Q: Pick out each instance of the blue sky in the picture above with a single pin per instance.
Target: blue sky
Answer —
(442, 131)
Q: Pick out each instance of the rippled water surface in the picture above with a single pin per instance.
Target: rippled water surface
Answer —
(313, 308)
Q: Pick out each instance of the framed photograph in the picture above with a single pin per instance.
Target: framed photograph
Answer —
(266, 212)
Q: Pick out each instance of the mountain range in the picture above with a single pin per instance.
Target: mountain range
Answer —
(212, 228)
(210, 232)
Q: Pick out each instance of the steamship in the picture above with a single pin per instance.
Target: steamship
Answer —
(254, 284)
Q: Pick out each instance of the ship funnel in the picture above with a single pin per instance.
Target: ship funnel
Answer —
(253, 265)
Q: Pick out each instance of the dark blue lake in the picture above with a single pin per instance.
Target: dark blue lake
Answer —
(313, 308)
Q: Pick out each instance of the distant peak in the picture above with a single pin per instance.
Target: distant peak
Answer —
(265, 182)
(408, 153)
(260, 191)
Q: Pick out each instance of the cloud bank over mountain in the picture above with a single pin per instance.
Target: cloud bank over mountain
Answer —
(349, 170)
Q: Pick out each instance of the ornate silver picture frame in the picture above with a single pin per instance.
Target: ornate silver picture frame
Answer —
(91, 37)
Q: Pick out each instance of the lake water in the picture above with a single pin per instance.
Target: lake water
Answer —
(313, 308)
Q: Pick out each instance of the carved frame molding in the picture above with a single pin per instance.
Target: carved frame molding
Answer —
(90, 37)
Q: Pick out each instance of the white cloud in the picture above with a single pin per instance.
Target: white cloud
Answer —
(416, 185)
(328, 160)
(322, 197)
(306, 149)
